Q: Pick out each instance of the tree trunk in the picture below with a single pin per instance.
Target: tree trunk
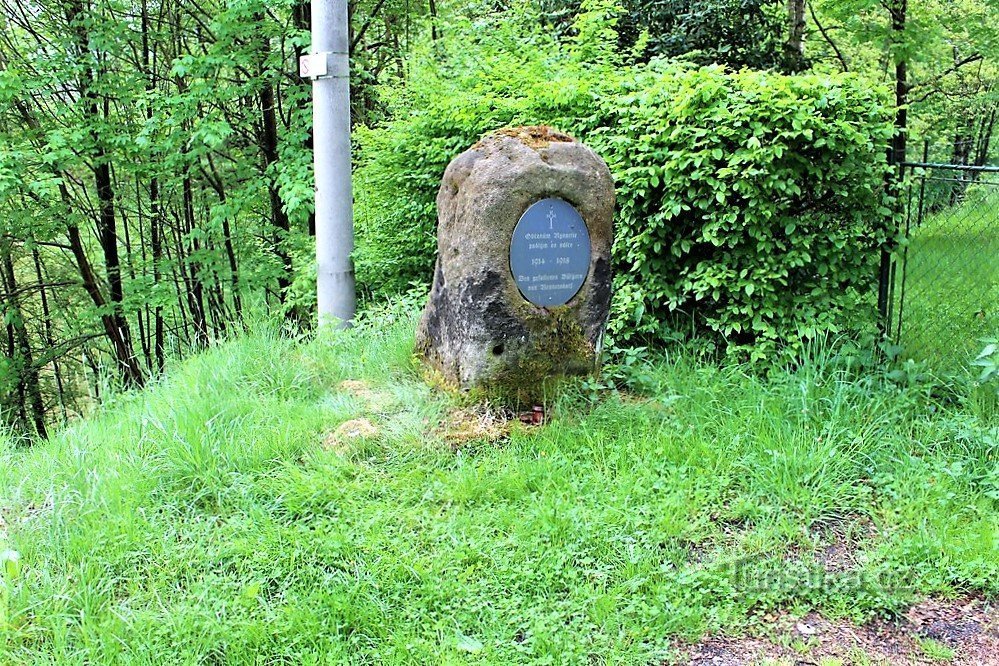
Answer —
(195, 292)
(128, 366)
(179, 274)
(155, 223)
(984, 139)
(302, 18)
(20, 419)
(156, 245)
(794, 47)
(269, 149)
(29, 382)
(107, 231)
(434, 33)
(960, 154)
(49, 334)
(897, 149)
(215, 180)
(899, 10)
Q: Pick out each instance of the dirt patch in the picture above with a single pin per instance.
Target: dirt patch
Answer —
(964, 625)
(479, 424)
(356, 387)
(961, 632)
(9, 517)
(376, 401)
(342, 440)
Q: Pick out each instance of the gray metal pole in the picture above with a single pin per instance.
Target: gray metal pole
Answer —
(331, 141)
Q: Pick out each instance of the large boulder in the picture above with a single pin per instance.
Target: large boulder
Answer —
(480, 328)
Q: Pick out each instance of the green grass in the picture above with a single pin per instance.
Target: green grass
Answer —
(202, 521)
(935, 650)
(952, 282)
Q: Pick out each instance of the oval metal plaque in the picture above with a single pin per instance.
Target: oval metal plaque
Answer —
(550, 252)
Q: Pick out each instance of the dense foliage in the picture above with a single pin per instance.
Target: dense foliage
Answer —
(155, 183)
(751, 206)
(737, 33)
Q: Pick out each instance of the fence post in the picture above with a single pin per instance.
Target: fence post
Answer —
(884, 270)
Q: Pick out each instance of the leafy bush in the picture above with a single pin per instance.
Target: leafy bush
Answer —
(487, 75)
(751, 206)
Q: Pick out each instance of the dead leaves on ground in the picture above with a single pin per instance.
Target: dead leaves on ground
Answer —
(459, 429)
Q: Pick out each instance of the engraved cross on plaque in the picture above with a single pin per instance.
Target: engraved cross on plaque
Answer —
(551, 217)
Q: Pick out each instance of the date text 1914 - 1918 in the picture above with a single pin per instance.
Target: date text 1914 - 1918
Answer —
(550, 252)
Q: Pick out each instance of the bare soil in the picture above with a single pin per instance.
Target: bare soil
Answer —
(963, 632)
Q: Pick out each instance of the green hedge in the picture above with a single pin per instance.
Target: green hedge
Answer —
(751, 206)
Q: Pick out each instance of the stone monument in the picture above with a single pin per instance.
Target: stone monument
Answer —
(522, 284)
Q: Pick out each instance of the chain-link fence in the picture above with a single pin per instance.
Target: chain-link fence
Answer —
(941, 289)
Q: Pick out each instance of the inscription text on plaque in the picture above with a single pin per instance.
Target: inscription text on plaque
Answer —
(550, 252)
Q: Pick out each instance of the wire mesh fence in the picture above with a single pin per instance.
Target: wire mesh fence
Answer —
(944, 281)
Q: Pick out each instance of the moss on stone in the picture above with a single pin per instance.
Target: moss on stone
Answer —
(558, 349)
(532, 136)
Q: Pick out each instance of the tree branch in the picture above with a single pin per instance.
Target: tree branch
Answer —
(829, 40)
(367, 24)
(950, 70)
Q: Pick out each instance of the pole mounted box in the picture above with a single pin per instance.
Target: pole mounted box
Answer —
(314, 65)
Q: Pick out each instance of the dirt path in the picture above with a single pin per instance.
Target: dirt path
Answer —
(962, 632)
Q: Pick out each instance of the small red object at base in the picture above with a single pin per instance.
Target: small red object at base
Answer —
(534, 417)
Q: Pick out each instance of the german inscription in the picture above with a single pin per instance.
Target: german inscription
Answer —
(550, 252)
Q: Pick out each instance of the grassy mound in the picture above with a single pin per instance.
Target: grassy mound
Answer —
(280, 502)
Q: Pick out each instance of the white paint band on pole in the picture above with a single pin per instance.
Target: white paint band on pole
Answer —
(329, 68)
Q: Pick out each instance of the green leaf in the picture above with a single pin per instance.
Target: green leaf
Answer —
(468, 644)
(10, 565)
